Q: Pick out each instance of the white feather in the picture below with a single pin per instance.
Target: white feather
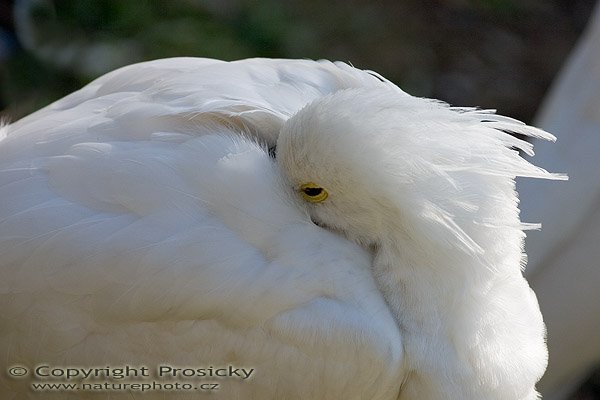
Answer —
(431, 189)
(142, 222)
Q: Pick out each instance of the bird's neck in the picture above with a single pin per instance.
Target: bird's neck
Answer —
(443, 300)
(433, 265)
(421, 294)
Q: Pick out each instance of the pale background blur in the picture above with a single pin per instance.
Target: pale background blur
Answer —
(501, 54)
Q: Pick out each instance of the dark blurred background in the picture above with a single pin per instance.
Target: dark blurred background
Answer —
(501, 54)
(491, 53)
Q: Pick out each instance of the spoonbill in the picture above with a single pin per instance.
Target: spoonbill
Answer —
(306, 228)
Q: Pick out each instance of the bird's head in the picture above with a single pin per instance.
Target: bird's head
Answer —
(372, 161)
(334, 154)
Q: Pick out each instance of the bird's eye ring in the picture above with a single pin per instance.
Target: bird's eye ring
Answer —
(313, 192)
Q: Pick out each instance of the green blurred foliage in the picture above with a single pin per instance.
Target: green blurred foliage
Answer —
(492, 53)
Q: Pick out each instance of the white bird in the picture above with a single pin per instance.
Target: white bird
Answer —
(143, 223)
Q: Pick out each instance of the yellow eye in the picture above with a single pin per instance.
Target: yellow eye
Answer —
(313, 192)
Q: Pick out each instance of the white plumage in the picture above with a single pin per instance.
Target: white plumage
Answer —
(143, 222)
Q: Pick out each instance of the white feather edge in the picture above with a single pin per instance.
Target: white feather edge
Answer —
(487, 118)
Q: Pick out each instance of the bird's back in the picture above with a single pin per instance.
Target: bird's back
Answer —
(141, 225)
